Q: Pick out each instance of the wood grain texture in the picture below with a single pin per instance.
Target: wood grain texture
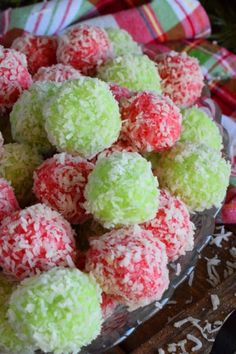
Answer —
(159, 331)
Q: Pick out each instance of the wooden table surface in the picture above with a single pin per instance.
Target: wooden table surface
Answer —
(160, 332)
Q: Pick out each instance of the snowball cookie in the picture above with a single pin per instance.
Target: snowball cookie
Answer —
(84, 47)
(9, 342)
(35, 239)
(199, 128)
(27, 120)
(60, 182)
(8, 201)
(136, 72)
(182, 79)
(122, 42)
(57, 73)
(83, 117)
(58, 311)
(172, 226)
(195, 173)
(17, 166)
(129, 264)
(122, 190)
(151, 122)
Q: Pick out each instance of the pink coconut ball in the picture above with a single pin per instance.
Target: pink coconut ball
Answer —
(182, 79)
(35, 239)
(172, 226)
(108, 305)
(119, 92)
(84, 47)
(8, 201)
(39, 50)
(129, 264)
(14, 77)
(151, 122)
(59, 182)
(57, 73)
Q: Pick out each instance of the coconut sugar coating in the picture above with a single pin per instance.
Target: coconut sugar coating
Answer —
(35, 239)
(17, 166)
(58, 311)
(151, 122)
(136, 270)
(120, 92)
(122, 190)
(119, 146)
(122, 42)
(9, 342)
(195, 173)
(182, 79)
(172, 226)
(57, 73)
(84, 47)
(39, 50)
(60, 181)
(136, 72)
(14, 77)
(8, 202)
(83, 118)
(27, 119)
(199, 128)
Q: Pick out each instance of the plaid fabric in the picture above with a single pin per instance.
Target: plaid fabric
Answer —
(160, 25)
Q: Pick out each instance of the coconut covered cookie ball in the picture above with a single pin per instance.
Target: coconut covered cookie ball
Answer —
(35, 239)
(172, 226)
(122, 42)
(57, 73)
(182, 79)
(199, 128)
(136, 273)
(14, 77)
(122, 190)
(151, 122)
(136, 72)
(39, 50)
(17, 166)
(9, 342)
(58, 311)
(84, 47)
(8, 202)
(195, 173)
(27, 120)
(83, 118)
(60, 181)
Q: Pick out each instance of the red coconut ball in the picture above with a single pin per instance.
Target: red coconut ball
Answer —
(182, 79)
(8, 202)
(39, 50)
(14, 77)
(108, 305)
(172, 226)
(57, 73)
(129, 264)
(151, 122)
(60, 181)
(120, 92)
(84, 47)
(35, 239)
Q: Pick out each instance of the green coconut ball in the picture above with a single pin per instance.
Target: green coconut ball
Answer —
(136, 72)
(58, 311)
(122, 42)
(83, 118)
(122, 190)
(17, 165)
(198, 128)
(195, 173)
(27, 120)
(9, 342)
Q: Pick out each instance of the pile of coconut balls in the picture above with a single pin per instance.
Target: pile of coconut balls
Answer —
(101, 135)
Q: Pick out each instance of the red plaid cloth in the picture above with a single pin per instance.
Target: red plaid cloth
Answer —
(160, 25)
